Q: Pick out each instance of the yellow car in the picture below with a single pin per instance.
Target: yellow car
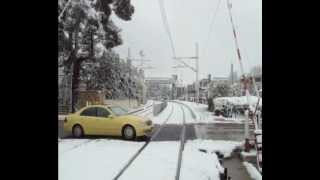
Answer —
(107, 120)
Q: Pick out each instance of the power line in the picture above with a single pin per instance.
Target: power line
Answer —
(211, 24)
(166, 25)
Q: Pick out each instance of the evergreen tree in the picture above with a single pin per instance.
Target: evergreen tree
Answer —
(83, 27)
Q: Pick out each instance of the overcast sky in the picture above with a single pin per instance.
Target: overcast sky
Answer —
(189, 22)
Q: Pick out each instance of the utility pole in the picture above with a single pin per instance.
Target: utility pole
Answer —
(129, 62)
(142, 61)
(141, 65)
(187, 98)
(197, 73)
(71, 98)
(232, 80)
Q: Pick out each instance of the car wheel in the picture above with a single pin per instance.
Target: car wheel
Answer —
(77, 131)
(128, 133)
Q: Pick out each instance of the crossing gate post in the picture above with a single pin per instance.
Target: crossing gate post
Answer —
(225, 173)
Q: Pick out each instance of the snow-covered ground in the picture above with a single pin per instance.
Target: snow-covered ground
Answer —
(161, 117)
(68, 144)
(253, 172)
(175, 118)
(224, 147)
(199, 165)
(157, 162)
(204, 116)
(84, 159)
(98, 160)
(103, 159)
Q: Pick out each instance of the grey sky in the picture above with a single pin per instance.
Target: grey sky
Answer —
(189, 22)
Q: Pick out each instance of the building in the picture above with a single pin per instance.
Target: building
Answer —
(204, 88)
(159, 87)
(220, 80)
(174, 82)
(181, 92)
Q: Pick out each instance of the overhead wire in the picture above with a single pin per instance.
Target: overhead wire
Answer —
(166, 25)
(211, 25)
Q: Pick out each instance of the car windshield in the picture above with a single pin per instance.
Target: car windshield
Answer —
(119, 111)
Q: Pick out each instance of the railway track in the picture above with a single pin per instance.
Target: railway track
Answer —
(181, 146)
(143, 147)
(182, 142)
(146, 112)
(140, 111)
(152, 139)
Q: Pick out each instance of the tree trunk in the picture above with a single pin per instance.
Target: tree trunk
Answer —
(75, 84)
(76, 81)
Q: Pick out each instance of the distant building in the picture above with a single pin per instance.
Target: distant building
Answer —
(220, 80)
(159, 87)
(204, 88)
(181, 92)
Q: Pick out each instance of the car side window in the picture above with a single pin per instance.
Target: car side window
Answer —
(101, 112)
(89, 112)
